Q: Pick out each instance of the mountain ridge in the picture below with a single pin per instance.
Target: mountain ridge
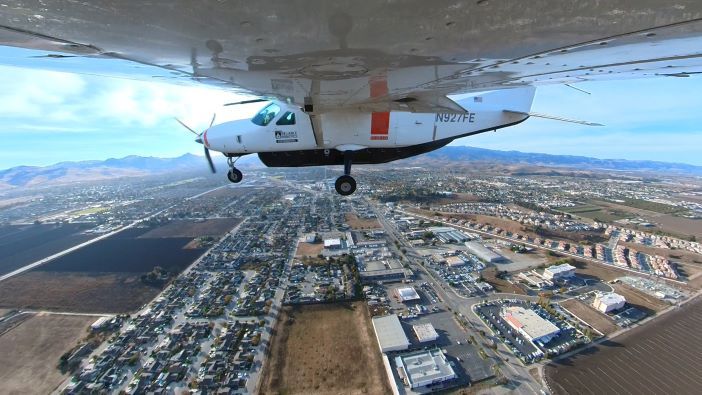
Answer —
(133, 165)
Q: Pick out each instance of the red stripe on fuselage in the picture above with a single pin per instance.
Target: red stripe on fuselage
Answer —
(380, 123)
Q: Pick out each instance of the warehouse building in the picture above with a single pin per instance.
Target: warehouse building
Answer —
(455, 261)
(389, 332)
(425, 332)
(529, 324)
(407, 294)
(483, 253)
(558, 272)
(423, 368)
(608, 302)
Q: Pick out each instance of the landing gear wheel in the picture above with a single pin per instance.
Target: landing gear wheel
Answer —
(234, 175)
(345, 185)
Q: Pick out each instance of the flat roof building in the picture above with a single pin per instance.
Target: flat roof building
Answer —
(529, 324)
(422, 368)
(425, 332)
(483, 253)
(407, 294)
(608, 302)
(389, 332)
(454, 261)
(557, 272)
(332, 243)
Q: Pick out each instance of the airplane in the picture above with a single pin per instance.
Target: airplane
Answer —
(351, 82)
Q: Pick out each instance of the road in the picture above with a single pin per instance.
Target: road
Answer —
(520, 381)
(91, 241)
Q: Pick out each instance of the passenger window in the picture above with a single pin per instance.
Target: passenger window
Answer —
(265, 116)
(287, 119)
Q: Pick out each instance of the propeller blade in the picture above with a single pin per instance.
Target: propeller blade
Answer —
(212, 121)
(209, 160)
(187, 127)
(246, 102)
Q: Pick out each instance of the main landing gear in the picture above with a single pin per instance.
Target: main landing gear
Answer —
(346, 185)
(234, 175)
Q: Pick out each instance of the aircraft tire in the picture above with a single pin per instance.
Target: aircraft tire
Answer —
(345, 185)
(234, 175)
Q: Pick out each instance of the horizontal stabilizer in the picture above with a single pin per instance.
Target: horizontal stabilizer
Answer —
(555, 118)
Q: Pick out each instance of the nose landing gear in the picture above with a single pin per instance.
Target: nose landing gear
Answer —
(346, 185)
(234, 175)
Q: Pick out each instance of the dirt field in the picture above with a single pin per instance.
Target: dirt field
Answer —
(76, 292)
(489, 274)
(661, 357)
(639, 299)
(182, 228)
(604, 273)
(309, 249)
(593, 317)
(359, 223)
(324, 349)
(30, 352)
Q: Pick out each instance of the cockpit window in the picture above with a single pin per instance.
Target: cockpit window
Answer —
(287, 119)
(265, 116)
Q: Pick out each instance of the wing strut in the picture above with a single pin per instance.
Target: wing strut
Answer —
(553, 117)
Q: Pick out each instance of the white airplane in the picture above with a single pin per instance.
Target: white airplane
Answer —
(353, 81)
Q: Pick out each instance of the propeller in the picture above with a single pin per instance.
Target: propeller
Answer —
(200, 140)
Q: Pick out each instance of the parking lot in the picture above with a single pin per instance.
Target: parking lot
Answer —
(455, 341)
(520, 346)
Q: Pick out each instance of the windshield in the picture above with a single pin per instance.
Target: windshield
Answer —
(265, 116)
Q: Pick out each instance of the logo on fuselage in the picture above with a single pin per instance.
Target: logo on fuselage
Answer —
(285, 137)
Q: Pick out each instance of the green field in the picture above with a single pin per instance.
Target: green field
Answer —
(595, 212)
(653, 206)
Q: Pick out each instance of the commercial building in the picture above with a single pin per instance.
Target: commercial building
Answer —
(425, 332)
(448, 235)
(389, 332)
(529, 324)
(332, 243)
(385, 275)
(454, 261)
(407, 294)
(423, 368)
(608, 302)
(557, 272)
(483, 253)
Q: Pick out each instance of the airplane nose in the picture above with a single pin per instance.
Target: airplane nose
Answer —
(198, 140)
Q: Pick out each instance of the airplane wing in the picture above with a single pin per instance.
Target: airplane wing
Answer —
(379, 55)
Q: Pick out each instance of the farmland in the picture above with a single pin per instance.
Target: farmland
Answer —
(126, 252)
(661, 357)
(103, 277)
(24, 244)
(191, 228)
(324, 349)
(76, 292)
(30, 352)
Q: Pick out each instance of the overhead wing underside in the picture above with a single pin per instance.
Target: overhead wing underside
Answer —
(404, 55)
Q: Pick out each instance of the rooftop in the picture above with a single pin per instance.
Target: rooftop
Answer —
(612, 298)
(528, 321)
(425, 332)
(425, 367)
(389, 332)
(560, 268)
(407, 293)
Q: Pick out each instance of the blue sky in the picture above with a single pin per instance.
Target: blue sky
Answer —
(48, 117)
